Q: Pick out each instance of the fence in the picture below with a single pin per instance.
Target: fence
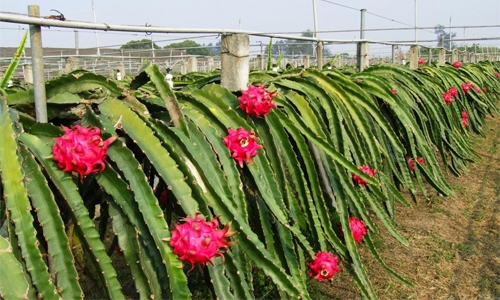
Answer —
(109, 61)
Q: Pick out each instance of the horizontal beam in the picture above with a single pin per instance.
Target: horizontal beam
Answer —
(22, 19)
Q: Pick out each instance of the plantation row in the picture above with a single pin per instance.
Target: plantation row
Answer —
(286, 178)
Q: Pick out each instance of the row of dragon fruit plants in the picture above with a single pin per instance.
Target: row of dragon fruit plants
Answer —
(289, 176)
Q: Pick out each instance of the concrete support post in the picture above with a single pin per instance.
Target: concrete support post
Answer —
(393, 54)
(442, 56)
(319, 52)
(464, 57)
(472, 57)
(413, 57)
(71, 64)
(306, 61)
(183, 67)
(28, 73)
(360, 51)
(235, 61)
(363, 60)
(429, 57)
(258, 62)
(454, 56)
(37, 64)
(192, 64)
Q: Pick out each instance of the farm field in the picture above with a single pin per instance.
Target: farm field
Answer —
(454, 250)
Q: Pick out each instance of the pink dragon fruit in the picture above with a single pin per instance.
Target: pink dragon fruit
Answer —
(324, 266)
(448, 98)
(358, 180)
(257, 101)
(457, 64)
(394, 91)
(478, 90)
(453, 91)
(411, 162)
(497, 74)
(465, 87)
(421, 61)
(242, 144)
(358, 229)
(81, 150)
(199, 241)
(465, 118)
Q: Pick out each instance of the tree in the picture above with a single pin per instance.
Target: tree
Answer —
(214, 49)
(191, 47)
(297, 47)
(140, 44)
(443, 37)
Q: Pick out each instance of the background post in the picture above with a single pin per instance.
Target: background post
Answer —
(37, 65)
(235, 61)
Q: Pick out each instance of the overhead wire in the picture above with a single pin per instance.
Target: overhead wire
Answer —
(373, 14)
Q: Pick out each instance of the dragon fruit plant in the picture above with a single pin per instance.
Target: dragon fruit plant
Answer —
(324, 266)
(193, 143)
(367, 170)
(358, 229)
(448, 98)
(81, 150)
(256, 101)
(465, 118)
(411, 162)
(457, 64)
(453, 91)
(200, 241)
(242, 145)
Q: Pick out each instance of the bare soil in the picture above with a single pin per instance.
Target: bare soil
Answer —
(454, 250)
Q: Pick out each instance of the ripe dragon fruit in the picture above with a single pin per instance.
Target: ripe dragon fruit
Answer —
(465, 87)
(324, 266)
(394, 91)
(478, 90)
(411, 162)
(453, 91)
(81, 150)
(465, 118)
(199, 241)
(365, 170)
(242, 144)
(447, 98)
(457, 64)
(358, 229)
(257, 101)
(421, 61)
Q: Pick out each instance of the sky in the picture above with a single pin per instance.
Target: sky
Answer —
(290, 16)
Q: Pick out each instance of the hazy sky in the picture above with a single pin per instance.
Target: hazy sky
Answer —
(259, 15)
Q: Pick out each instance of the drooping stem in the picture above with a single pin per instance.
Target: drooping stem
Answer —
(322, 174)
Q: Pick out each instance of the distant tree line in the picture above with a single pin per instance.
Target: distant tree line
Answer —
(191, 47)
(297, 47)
(445, 38)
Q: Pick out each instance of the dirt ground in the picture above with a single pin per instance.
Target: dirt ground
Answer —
(454, 250)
